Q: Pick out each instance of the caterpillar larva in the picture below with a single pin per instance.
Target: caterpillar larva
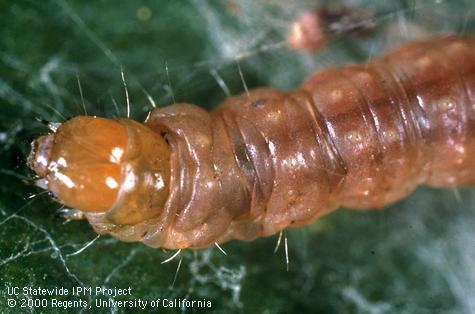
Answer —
(359, 136)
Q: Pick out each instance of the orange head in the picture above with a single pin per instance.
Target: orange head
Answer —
(102, 165)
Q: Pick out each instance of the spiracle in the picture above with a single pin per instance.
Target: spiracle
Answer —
(359, 136)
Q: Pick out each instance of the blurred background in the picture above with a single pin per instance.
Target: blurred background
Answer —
(62, 58)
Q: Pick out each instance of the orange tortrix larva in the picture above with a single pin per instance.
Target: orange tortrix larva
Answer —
(356, 136)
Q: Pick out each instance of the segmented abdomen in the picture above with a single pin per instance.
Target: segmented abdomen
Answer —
(360, 136)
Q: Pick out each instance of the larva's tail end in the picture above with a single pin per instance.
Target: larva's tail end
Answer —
(307, 32)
